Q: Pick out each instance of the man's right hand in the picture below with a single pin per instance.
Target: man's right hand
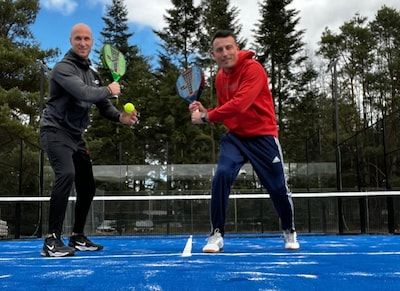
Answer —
(114, 88)
(196, 105)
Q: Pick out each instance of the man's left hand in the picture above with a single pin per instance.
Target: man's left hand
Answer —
(128, 118)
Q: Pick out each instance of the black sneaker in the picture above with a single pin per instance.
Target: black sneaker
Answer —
(82, 243)
(54, 247)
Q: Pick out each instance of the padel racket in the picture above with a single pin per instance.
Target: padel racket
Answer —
(113, 60)
(190, 84)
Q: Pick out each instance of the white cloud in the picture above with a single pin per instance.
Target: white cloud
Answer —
(148, 12)
(66, 7)
(315, 14)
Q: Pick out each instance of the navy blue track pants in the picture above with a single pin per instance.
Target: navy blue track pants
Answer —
(265, 155)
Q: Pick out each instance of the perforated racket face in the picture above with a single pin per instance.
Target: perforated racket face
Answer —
(190, 83)
(114, 60)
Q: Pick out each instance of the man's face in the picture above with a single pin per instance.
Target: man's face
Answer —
(225, 52)
(81, 40)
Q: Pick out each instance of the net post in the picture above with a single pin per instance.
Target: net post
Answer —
(335, 96)
(389, 199)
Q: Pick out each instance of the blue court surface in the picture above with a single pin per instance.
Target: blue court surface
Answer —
(325, 262)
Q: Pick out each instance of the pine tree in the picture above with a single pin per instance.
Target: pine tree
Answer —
(116, 28)
(19, 104)
(179, 36)
(20, 74)
(309, 124)
(114, 143)
(185, 144)
(16, 17)
(279, 46)
(386, 30)
(352, 49)
(216, 15)
(357, 54)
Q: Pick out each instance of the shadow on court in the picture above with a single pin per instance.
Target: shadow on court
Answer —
(326, 262)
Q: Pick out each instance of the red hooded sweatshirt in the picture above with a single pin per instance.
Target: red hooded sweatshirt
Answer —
(245, 103)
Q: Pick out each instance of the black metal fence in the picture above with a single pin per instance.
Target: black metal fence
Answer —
(188, 215)
(21, 172)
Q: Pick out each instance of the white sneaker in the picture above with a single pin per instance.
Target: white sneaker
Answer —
(290, 238)
(215, 243)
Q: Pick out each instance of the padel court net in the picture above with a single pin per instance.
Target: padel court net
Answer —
(331, 212)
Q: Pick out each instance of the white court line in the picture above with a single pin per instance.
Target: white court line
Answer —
(294, 253)
(204, 254)
(93, 257)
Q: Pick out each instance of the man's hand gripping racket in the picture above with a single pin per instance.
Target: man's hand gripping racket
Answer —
(115, 62)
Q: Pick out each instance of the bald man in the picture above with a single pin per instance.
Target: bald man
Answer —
(74, 88)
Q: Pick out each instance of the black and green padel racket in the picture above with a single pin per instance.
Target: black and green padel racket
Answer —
(113, 60)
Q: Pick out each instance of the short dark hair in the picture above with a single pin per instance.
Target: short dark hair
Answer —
(222, 33)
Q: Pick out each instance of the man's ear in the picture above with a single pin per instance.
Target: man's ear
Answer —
(212, 55)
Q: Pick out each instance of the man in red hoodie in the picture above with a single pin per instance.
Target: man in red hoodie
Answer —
(246, 108)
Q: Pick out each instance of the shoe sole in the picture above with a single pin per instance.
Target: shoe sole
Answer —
(56, 254)
(292, 249)
(208, 251)
(84, 249)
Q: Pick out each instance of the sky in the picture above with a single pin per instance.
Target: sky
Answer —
(56, 17)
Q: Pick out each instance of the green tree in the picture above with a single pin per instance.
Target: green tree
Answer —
(385, 85)
(386, 31)
(310, 131)
(183, 143)
(20, 74)
(179, 36)
(352, 50)
(18, 48)
(357, 55)
(114, 143)
(15, 18)
(217, 15)
(187, 143)
(279, 46)
(20, 105)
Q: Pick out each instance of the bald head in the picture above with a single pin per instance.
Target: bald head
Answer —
(79, 27)
(81, 40)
